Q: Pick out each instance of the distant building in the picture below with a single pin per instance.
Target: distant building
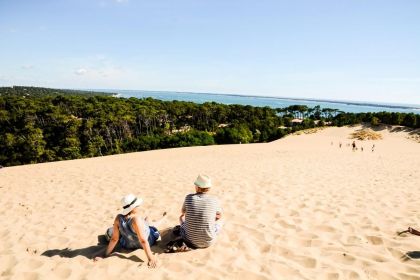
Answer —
(296, 121)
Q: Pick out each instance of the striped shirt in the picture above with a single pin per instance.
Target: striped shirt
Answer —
(200, 216)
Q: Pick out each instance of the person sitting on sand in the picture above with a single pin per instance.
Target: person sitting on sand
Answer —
(410, 230)
(131, 231)
(200, 216)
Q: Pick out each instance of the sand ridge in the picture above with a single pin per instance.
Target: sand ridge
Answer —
(296, 208)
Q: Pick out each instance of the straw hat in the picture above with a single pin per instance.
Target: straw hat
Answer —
(203, 181)
(129, 202)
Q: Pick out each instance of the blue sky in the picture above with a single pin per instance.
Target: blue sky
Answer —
(365, 50)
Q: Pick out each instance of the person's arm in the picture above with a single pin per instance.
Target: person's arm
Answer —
(182, 217)
(113, 242)
(138, 228)
(218, 211)
(114, 239)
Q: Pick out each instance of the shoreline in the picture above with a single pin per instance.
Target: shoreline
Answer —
(345, 102)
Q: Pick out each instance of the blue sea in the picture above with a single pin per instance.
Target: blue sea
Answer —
(273, 102)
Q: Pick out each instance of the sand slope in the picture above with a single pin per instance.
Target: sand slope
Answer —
(296, 208)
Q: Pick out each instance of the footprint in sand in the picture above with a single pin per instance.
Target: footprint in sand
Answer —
(333, 276)
(8, 261)
(286, 225)
(304, 261)
(62, 272)
(33, 264)
(353, 275)
(375, 240)
(345, 259)
(354, 240)
(407, 276)
(395, 253)
(31, 276)
(266, 249)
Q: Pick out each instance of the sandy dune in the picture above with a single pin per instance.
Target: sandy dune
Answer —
(297, 208)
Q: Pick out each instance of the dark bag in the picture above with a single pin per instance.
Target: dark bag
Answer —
(177, 245)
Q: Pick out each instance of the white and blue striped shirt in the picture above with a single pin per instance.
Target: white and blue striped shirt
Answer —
(200, 217)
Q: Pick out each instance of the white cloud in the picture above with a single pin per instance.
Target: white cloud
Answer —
(80, 71)
(100, 74)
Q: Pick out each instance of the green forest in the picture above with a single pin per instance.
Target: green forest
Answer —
(42, 125)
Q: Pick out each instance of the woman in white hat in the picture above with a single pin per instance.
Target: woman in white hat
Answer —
(131, 231)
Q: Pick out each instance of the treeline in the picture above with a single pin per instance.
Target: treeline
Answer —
(41, 125)
(55, 126)
(390, 118)
(42, 92)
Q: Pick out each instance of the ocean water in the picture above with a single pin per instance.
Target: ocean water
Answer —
(273, 102)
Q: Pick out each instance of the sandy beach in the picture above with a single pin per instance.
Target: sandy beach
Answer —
(297, 208)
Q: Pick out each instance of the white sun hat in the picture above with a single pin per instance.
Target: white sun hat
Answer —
(203, 181)
(129, 202)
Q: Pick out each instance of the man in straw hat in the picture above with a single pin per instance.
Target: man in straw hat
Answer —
(131, 231)
(200, 213)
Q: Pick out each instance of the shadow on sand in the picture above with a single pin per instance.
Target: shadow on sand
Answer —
(95, 250)
(411, 255)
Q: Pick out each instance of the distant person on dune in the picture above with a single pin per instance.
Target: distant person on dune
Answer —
(131, 231)
(200, 216)
(410, 230)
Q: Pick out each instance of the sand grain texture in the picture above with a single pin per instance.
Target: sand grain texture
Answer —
(296, 208)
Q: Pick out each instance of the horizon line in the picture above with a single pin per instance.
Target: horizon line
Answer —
(334, 101)
(342, 101)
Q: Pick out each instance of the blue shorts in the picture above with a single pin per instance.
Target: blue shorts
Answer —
(153, 236)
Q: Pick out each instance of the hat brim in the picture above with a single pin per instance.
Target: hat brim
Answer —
(203, 186)
(129, 209)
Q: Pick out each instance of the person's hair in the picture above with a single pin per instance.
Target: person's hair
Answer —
(130, 211)
(202, 190)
